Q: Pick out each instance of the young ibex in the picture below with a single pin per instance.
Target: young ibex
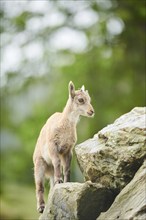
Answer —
(56, 140)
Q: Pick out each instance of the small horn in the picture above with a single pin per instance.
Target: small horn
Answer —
(83, 88)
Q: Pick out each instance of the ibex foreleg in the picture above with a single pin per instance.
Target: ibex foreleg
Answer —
(66, 161)
(57, 169)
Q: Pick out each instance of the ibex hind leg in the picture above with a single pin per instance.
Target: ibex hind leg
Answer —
(39, 174)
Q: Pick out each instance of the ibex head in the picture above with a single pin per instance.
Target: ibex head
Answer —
(81, 101)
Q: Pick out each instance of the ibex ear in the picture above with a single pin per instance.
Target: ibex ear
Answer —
(83, 88)
(71, 88)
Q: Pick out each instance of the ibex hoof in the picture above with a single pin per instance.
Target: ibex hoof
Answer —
(58, 181)
(41, 208)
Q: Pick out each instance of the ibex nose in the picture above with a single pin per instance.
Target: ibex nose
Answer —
(91, 112)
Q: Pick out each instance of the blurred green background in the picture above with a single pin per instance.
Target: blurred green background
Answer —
(44, 45)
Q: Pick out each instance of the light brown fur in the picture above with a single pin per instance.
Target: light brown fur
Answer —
(56, 140)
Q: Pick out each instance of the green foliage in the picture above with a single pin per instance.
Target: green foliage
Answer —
(109, 61)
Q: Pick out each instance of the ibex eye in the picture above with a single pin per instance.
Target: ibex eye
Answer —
(81, 100)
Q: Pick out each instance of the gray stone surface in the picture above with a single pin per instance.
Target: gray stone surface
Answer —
(116, 152)
(130, 204)
(77, 201)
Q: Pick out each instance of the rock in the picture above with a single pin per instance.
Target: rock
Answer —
(109, 162)
(77, 201)
(114, 154)
(130, 204)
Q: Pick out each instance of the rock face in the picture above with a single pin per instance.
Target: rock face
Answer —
(131, 202)
(77, 201)
(109, 162)
(115, 153)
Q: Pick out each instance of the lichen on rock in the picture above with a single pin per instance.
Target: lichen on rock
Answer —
(116, 152)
